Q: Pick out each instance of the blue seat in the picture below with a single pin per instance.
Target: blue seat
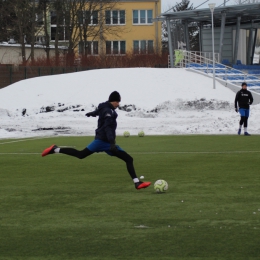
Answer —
(194, 65)
(225, 62)
(220, 71)
(220, 66)
(255, 72)
(252, 78)
(235, 72)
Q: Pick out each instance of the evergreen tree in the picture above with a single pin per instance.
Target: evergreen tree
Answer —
(178, 28)
(183, 6)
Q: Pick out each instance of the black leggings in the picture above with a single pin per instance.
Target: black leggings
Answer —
(243, 121)
(119, 154)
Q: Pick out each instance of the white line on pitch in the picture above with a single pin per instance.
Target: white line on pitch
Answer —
(24, 140)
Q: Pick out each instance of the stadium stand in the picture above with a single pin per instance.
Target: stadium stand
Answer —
(235, 75)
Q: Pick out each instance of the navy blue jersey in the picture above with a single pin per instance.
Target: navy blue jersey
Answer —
(107, 124)
(244, 99)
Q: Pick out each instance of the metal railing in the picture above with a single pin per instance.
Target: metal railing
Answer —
(191, 60)
(181, 57)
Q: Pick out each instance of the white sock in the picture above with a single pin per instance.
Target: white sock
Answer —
(245, 129)
(57, 150)
(240, 126)
(135, 180)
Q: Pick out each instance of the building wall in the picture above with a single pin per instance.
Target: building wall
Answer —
(139, 32)
(228, 42)
(242, 45)
(227, 49)
(12, 53)
(130, 32)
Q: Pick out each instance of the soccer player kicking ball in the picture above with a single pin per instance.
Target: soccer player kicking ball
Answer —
(105, 139)
(244, 99)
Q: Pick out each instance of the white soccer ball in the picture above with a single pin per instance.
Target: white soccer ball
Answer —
(160, 186)
(141, 134)
(126, 134)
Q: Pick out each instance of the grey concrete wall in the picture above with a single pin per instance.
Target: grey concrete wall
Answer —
(206, 37)
(12, 53)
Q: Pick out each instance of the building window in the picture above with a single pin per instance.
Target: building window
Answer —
(115, 47)
(115, 17)
(63, 33)
(39, 19)
(87, 17)
(142, 16)
(150, 47)
(91, 48)
(143, 47)
(59, 27)
(40, 40)
(94, 17)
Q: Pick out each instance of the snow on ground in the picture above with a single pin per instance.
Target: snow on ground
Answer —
(157, 101)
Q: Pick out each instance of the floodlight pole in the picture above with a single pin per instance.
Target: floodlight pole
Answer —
(212, 7)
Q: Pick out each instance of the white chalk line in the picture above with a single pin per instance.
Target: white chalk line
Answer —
(24, 140)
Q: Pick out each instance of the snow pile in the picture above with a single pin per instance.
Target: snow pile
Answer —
(157, 101)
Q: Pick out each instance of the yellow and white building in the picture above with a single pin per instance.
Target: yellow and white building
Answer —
(128, 27)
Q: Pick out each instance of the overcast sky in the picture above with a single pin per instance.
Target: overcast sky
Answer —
(167, 4)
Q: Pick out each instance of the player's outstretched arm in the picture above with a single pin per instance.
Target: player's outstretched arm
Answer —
(93, 113)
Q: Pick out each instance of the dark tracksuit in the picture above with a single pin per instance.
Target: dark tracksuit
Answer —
(107, 124)
(106, 133)
(244, 99)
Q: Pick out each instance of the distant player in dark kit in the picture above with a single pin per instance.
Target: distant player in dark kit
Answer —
(105, 139)
(244, 99)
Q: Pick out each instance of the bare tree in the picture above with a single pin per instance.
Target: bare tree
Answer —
(93, 22)
(44, 5)
(19, 20)
(32, 29)
(22, 21)
(77, 22)
(5, 21)
(82, 22)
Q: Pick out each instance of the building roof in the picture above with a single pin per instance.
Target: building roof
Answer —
(247, 12)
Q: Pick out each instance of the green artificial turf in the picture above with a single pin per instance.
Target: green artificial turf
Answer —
(60, 207)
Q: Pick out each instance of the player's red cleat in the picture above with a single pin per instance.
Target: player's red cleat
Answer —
(49, 150)
(141, 185)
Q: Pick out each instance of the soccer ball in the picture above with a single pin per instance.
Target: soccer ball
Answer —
(126, 134)
(160, 186)
(141, 134)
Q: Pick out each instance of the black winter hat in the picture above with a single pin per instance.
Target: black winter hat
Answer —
(243, 84)
(114, 96)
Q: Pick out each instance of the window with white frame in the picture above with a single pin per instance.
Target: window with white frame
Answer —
(115, 17)
(142, 16)
(115, 47)
(91, 48)
(39, 19)
(58, 27)
(143, 47)
(88, 17)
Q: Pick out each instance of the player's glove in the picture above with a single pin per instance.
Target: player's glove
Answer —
(113, 147)
(236, 109)
(91, 114)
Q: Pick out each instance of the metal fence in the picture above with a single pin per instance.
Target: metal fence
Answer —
(10, 74)
(192, 56)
